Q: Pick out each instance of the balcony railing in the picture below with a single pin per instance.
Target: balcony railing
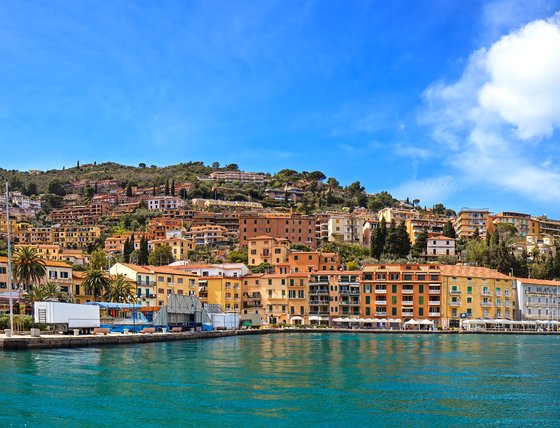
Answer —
(380, 313)
(318, 302)
(381, 302)
(408, 302)
(455, 292)
(326, 313)
(486, 304)
(454, 303)
(434, 314)
(434, 291)
(485, 293)
(380, 291)
(434, 302)
(407, 291)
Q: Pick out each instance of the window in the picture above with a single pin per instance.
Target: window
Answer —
(394, 288)
(421, 300)
(394, 300)
(2, 270)
(469, 290)
(367, 288)
(393, 311)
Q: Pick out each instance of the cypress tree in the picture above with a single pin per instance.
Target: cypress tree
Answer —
(173, 188)
(167, 187)
(143, 252)
(448, 230)
(128, 190)
(154, 191)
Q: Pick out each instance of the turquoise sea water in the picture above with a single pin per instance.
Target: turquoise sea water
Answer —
(299, 380)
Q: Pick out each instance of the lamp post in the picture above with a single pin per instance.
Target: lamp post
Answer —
(9, 262)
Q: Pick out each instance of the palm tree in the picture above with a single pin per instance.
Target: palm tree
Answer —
(37, 293)
(120, 291)
(28, 266)
(95, 282)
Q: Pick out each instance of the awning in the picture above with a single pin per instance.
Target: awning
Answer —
(426, 322)
(317, 318)
(296, 318)
(411, 322)
(111, 305)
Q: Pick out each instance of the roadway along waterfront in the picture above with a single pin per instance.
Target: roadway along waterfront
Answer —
(344, 379)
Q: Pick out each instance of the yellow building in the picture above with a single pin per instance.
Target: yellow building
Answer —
(298, 298)
(522, 222)
(275, 298)
(179, 246)
(57, 254)
(172, 281)
(221, 290)
(470, 220)
(145, 279)
(475, 293)
(266, 249)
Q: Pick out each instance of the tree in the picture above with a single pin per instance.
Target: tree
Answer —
(28, 266)
(378, 239)
(166, 187)
(173, 188)
(154, 191)
(31, 189)
(262, 268)
(141, 165)
(449, 230)
(120, 290)
(128, 190)
(56, 188)
(128, 248)
(183, 194)
(232, 167)
(238, 256)
(420, 244)
(143, 252)
(397, 242)
(215, 165)
(95, 282)
(162, 255)
(98, 260)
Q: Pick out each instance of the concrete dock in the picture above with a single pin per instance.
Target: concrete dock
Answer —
(26, 342)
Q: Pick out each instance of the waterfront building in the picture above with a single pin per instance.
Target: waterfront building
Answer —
(298, 229)
(144, 278)
(221, 290)
(401, 291)
(235, 270)
(470, 220)
(344, 294)
(298, 299)
(251, 295)
(172, 281)
(477, 293)
(275, 298)
(538, 299)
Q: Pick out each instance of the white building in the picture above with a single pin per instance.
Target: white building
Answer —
(236, 270)
(440, 246)
(346, 228)
(161, 203)
(538, 299)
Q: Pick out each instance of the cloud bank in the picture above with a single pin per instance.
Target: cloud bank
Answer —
(498, 123)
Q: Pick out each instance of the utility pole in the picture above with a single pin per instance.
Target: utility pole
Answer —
(9, 262)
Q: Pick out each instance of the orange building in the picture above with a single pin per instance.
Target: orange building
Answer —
(266, 249)
(401, 291)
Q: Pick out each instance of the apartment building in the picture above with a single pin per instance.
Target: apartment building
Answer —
(415, 226)
(223, 291)
(180, 247)
(545, 226)
(476, 292)
(346, 228)
(470, 220)
(275, 299)
(172, 281)
(266, 249)
(310, 261)
(522, 222)
(208, 235)
(401, 291)
(241, 176)
(298, 299)
(159, 226)
(399, 215)
(538, 299)
(144, 278)
(83, 215)
(251, 295)
(161, 203)
(298, 229)
(56, 253)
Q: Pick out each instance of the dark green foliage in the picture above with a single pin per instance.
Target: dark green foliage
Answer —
(162, 255)
(449, 230)
(143, 251)
(419, 247)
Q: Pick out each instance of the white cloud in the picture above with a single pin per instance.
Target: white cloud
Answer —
(504, 111)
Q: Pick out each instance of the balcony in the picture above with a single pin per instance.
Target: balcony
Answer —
(380, 291)
(434, 302)
(434, 291)
(454, 303)
(319, 291)
(321, 313)
(434, 314)
(407, 291)
(407, 313)
(407, 302)
(380, 313)
(349, 292)
(485, 293)
(486, 304)
(381, 302)
(349, 303)
(318, 302)
(455, 292)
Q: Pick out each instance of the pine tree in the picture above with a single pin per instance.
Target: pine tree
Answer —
(448, 230)
(420, 244)
(173, 188)
(143, 252)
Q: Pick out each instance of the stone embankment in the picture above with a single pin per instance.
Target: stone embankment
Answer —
(64, 341)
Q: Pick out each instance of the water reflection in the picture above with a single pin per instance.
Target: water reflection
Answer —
(314, 379)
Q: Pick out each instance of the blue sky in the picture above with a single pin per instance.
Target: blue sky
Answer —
(447, 101)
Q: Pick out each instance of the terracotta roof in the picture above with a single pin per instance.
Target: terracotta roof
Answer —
(169, 270)
(57, 264)
(137, 268)
(472, 271)
(443, 238)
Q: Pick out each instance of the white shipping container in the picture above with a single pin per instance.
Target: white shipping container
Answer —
(68, 314)
(227, 321)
